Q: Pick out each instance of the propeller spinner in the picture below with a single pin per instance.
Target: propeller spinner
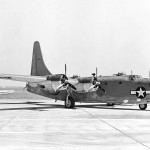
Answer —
(96, 84)
(64, 81)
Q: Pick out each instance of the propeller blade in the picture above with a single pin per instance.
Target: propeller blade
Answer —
(102, 89)
(57, 89)
(91, 88)
(96, 72)
(65, 69)
(72, 86)
(94, 86)
(64, 84)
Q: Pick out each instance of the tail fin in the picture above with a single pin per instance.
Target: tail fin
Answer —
(38, 67)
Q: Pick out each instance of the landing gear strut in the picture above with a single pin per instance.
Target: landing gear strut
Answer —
(69, 102)
(142, 106)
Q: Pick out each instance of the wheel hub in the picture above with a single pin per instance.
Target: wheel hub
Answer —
(142, 105)
(68, 103)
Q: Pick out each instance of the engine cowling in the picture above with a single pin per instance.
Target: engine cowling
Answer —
(55, 77)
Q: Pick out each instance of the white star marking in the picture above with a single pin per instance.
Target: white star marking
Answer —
(140, 92)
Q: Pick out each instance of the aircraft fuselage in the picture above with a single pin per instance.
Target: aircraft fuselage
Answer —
(122, 89)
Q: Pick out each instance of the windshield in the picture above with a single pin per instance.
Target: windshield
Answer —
(135, 77)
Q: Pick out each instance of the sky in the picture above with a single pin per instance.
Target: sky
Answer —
(112, 35)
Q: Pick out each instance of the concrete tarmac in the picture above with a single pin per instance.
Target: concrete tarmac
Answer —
(46, 125)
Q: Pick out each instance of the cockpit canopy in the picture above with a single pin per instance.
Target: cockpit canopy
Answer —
(135, 77)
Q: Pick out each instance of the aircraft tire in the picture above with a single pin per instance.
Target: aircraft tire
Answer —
(142, 106)
(70, 103)
(110, 104)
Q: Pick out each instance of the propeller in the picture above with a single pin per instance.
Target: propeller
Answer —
(96, 84)
(64, 81)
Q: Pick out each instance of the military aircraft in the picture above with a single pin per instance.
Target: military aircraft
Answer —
(116, 89)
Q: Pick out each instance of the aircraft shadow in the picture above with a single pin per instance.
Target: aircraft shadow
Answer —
(102, 106)
(45, 107)
(21, 103)
(41, 107)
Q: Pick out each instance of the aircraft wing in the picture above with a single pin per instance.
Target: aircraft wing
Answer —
(22, 78)
(6, 91)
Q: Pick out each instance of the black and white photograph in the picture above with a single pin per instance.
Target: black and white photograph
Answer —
(74, 74)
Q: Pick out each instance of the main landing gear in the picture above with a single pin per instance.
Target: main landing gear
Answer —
(142, 106)
(69, 102)
(110, 104)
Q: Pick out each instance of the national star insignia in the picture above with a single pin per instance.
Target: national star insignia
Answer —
(141, 93)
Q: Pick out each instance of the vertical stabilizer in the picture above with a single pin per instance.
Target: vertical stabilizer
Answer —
(38, 67)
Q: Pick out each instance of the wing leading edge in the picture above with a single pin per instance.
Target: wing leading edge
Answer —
(2, 92)
(22, 78)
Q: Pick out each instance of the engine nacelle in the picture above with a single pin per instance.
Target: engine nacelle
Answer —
(85, 80)
(55, 77)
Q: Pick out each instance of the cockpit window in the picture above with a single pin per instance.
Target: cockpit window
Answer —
(135, 77)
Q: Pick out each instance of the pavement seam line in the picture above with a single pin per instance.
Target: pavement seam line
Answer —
(1, 128)
(116, 128)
